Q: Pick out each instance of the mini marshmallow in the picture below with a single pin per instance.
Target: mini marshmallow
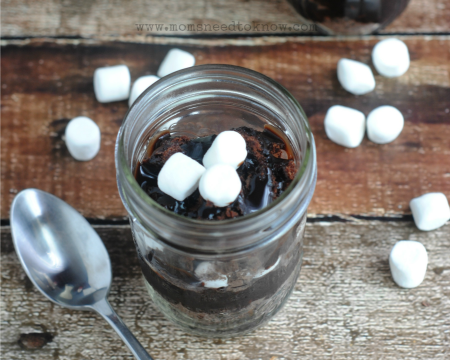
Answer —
(430, 211)
(206, 272)
(220, 184)
(82, 138)
(175, 60)
(263, 272)
(112, 83)
(179, 176)
(355, 77)
(384, 124)
(345, 126)
(408, 262)
(391, 57)
(229, 147)
(139, 86)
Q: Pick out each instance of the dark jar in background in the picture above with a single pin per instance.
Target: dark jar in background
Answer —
(350, 17)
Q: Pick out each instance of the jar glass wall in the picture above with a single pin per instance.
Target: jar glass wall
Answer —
(217, 278)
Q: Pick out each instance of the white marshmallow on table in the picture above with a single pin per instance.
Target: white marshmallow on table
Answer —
(229, 147)
(408, 262)
(112, 83)
(206, 272)
(179, 176)
(175, 60)
(82, 138)
(430, 211)
(220, 184)
(345, 126)
(384, 124)
(391, 57)
(355, 77)
(139, 86)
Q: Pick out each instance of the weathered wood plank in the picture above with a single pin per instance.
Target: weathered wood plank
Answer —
(345, 305)
(119, 18)
(422, 17)
(46, 84)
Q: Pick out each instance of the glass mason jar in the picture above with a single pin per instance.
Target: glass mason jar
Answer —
(226, 277)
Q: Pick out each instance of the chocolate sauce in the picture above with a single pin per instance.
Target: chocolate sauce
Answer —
(266, 172)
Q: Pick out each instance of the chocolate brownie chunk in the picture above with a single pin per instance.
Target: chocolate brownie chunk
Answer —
(266, 172)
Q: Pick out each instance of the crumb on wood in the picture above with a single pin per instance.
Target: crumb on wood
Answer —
(34, 341)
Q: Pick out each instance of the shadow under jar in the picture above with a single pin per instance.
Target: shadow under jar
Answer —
(217, 278)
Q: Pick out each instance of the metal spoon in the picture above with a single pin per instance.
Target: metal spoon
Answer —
(65, 258)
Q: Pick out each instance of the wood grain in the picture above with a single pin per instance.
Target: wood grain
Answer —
(88, 19)
(45, 84)
(345, 305)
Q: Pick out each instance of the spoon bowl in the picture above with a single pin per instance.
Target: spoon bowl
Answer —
(65, 258)
(61, 253)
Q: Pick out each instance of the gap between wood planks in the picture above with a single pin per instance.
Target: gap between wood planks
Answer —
(313, 219)
(209, 40)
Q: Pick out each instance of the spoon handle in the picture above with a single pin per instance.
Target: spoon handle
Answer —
(104, 309)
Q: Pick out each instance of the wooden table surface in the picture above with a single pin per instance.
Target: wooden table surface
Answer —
(345, 304)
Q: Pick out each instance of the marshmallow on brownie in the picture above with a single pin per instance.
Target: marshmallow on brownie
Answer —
(220, 184)
(179, 177)
(229, 147)
(207, 273)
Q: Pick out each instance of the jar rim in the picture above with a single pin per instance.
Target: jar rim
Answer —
(303, 182)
